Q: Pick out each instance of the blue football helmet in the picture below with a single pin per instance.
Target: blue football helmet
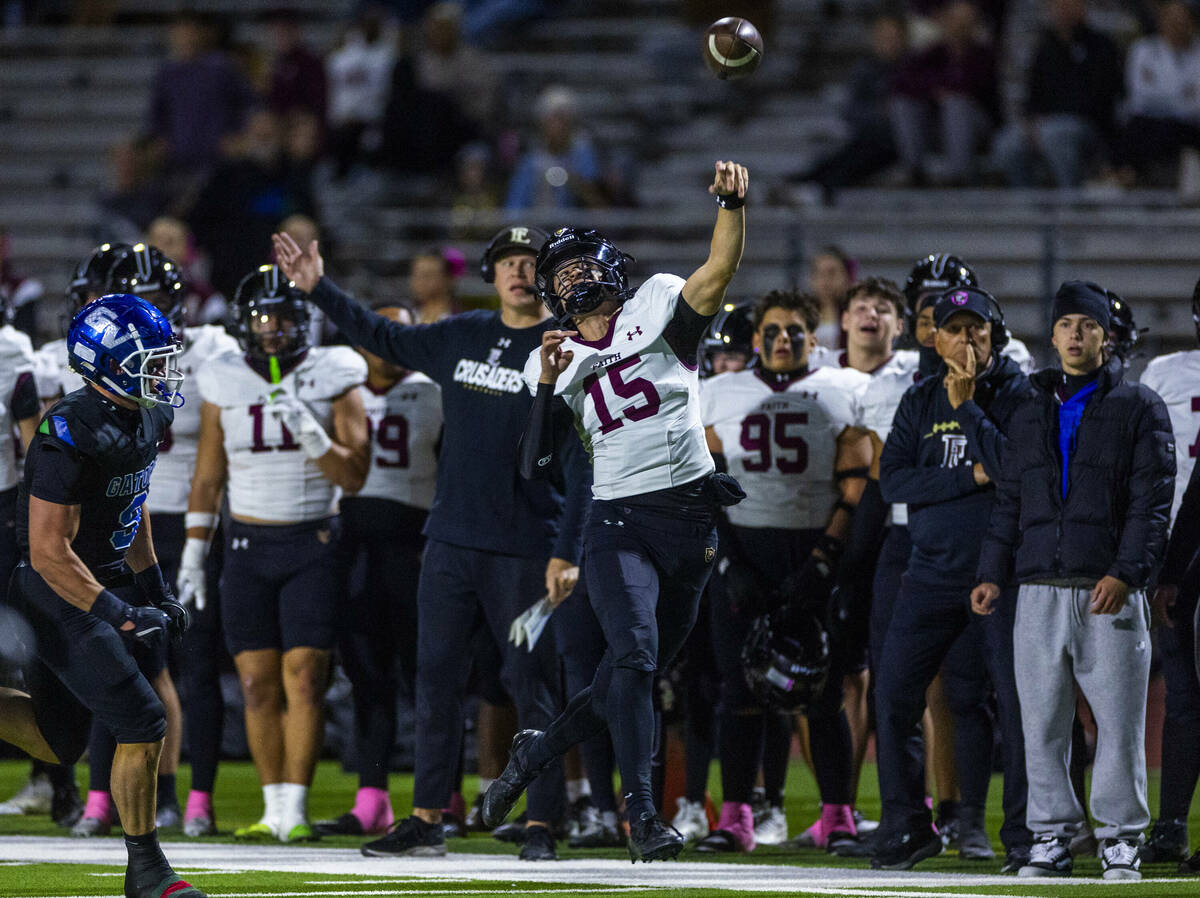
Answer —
(126, 345)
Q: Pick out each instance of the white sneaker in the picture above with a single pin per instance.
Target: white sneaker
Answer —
(690, 819)
(1119, 859)
(773, 829)
(1048, 856)
(33, 798)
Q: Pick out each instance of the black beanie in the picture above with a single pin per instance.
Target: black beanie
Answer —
(1082, 298)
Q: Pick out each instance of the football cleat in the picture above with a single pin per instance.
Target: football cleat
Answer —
(346, 825)
(538, 845)
(653, 839)
(504, 791)
(34, 797)
(256, 832)
(86, 827)
(168, 817)
(171, 886)
(199, 825)
(604, 832)
(691, 819)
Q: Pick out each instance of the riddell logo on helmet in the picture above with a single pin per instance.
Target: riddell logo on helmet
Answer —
(960, 298)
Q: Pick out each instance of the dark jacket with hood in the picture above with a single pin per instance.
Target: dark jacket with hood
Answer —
(1120, 481)
(928, 462)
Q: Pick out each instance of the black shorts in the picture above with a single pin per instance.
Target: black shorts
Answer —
(279, 586)
(83, 668)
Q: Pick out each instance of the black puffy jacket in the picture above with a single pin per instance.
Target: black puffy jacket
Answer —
(1121, 480)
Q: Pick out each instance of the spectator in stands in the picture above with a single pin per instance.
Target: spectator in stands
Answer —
(246, 197)
(297, 73)
(561, 168)
(474, 188)
(203, 304)
(1162, 77)
(830, 273)
(138, 193)
(432, 274)
(954, 83)
(198, 97)
(446, 66)
(360, 78)
(868, 147)
(1070, 103)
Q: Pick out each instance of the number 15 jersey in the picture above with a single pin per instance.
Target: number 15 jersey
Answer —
(780, 441)
(637, 401)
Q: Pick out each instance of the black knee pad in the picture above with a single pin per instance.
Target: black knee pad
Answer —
(134, 715)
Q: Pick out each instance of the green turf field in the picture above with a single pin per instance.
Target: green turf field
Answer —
(32, 868)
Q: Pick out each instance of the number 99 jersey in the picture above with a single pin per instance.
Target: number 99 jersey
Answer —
(270, 478)
(636, 399)
(405, 424)
(780, 441)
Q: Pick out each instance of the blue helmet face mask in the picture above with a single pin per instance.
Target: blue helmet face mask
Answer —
(125, 345)
(577, 271)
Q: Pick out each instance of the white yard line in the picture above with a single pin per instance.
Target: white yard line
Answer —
(464, 868)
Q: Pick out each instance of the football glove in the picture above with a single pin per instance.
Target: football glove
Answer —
(179, 620)
(150, 625)
(808, 590)
(296, 417)
(190, 581)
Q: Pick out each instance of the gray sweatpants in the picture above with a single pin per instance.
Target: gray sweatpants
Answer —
(1057, 642)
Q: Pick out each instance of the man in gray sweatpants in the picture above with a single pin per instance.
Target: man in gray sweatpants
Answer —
(1080, 521)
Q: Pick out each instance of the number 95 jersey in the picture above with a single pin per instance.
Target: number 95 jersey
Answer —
(780, 441)
(270, 478)
(637, 400)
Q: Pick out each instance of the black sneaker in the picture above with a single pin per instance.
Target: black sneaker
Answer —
(653, 839)
(410, 837)
(66, 807)
(947, 823)
(1049, 856)
(1168, 842)
(504, 791)
(1191, 865)
(539, 845)
(453, 827)
(346, 825)
(1017, 857)
(903, 851)
(513, 831)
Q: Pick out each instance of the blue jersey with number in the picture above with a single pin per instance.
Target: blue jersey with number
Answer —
(636, 400)
(90, 452)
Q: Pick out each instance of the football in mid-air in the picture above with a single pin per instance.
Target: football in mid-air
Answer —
(733, 48)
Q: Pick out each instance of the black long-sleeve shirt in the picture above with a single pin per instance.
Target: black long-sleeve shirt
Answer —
(481, 500)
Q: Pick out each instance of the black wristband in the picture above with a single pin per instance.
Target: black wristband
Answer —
(730, 201)
(150, 581)
(110, 609)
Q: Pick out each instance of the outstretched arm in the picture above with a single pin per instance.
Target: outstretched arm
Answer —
(705, 289)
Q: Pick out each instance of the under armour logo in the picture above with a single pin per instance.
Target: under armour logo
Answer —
(240, 542)
(636, 330)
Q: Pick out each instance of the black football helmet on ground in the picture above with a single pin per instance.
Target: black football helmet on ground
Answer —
(91, 275)
(146, 272)
(265, 293)
(572, 252)
(937, 273)
(786, 671)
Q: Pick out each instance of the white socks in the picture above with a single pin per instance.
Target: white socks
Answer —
(577, 789)
(293, 807)
(272, 806)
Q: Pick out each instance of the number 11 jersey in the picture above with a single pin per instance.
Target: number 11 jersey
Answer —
(636, 400)
(780, 441)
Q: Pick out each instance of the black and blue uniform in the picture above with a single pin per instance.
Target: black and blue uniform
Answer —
(93, 453)
(928, 462)
(489, 533)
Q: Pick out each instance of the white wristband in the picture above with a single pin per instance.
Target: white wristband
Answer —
(315, 442)
(205, 519)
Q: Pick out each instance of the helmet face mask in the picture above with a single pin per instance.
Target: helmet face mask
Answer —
(934, 275)
(577, 271)
(272, 315)
(124, 344)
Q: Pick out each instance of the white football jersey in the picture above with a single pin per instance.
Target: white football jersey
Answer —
(780, 441)
(270, 478)
(637, 401)
(54, 377)
(405, 424)
(177, 451)
(1176, 378)
(16, 359)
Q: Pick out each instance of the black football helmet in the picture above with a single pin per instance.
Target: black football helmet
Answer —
(91, 275)
(936, 273)
(1123, 332)
(786, 671)
(1196, 309)
(266, 292)
(516, 239)
(597, 256)
(144, 271)
(731, 331)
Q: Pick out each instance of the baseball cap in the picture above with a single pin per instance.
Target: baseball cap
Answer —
(963, 299)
